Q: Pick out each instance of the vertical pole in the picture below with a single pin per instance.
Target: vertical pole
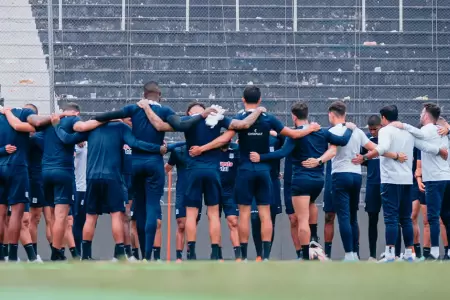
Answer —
(51, 55)
(237, 16)
(363, 16)
(295, 17)
(187, 15)
(60, 9)
(400, 15)
(169, 215)
(122, 23)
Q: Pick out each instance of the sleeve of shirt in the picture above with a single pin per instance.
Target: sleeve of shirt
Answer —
(173, 146)
(3, 151)
(125, 112)
(225, 122)
(338, 140)
(276, 124)
(384, 141)
(418, 154)
(131, 141)
(416, 132)
(75, 120)
(363, 137)
(182, 125)
(26, 113)
(287, 148)
(70, 138)
(167, 112)
(172, 159)
(426, 146)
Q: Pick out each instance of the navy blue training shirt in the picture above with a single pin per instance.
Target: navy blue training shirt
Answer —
(328, 180)
(275, 143)
(201, 134)
(178, 157)
(127, 160)
(417, 155)
(35, 156)
(287, 176)
(256, 139)
(228, 168)
(8, 136)
(57, 154)
(313, 145)
(373, 165)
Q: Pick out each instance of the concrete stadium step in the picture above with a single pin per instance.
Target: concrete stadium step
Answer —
(251, 64)
(224, 77)
(296, 51)
(84, 89)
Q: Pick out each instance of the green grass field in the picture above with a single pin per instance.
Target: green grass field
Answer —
(206, 280)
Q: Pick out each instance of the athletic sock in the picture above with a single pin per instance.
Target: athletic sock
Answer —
(446, 250)
(74, 252)
(180, 254)
(220, 253)
(35, 247)
(2, 253)
(156, 253)
(63, 251)
(13, 252)
(328, 249)
(244, 250)
(191, 247)
(435, 252)
(418, 250)
(86, 246)
(305, 252)
(5, 250)
(136, 253)
(426, 252)
(128, 251)
(313, 228)
(299, 253)
(54, 256)
(120, 251)
(29, 249)
(266, 249)
(214, 252)
(237, 252)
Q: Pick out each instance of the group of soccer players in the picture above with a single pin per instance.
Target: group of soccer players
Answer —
(72, 171)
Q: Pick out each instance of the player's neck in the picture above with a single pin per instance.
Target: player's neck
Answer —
(156, 99)
(427, 122)
(250, 106)
(299, 123)
(339, 121)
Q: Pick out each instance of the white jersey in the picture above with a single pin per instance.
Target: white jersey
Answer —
(80, 167)
(342, 162)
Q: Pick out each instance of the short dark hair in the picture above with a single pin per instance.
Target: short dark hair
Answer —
(338, 107)
(151, 87)
(32, 107)
(193, 104)
(300, 110)
(390, 112)
(374, 120)
(433, 109)
(72, 106)
(252, 94)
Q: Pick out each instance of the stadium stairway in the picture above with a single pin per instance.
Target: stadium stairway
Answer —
(24, 75)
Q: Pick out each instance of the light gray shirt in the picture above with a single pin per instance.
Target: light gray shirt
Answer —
(80, 167)
(342, 162)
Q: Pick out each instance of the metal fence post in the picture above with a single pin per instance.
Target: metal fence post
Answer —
(51, 56)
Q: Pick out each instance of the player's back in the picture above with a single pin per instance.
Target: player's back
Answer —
(104, 159)
(36, 151)
(178, 158)
(201, 134)
(142, 128)
(19, 139)
(342, 162)
(127, 160)
(435, 168)
(57, 154)
(228, 168)
(275, 144)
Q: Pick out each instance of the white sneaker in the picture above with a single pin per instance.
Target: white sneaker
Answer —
(132, 259)
(372, 259)
(37, 261)
(114, 260)
(384, 259)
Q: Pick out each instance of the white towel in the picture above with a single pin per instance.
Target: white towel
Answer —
(213, 119)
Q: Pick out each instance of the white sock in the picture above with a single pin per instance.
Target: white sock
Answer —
(349, 256)
(448, 252)
(435, 252)
(355, 256)
(408, 253)
(389, 252)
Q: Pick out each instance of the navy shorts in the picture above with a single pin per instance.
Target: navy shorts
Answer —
(105, 196)
(14, 185)
(373, 198)
(328, 206)
(129, 185)
(253, 185)
(275, 206)
(287, 192)
(180, 209)
(445, 208)
(417, 194)
(302, 186)
(59, 186)
(202, 183)
(37, 198)
(228, 206)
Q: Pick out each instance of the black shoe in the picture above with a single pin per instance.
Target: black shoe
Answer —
(446, 257)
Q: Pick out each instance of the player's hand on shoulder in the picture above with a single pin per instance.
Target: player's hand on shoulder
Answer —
(262, 109)
(195, 151)
(443, 131)
(254, 157)
(402, 157)
(397, 124)
(443, 152)
(314, 126)
(209, 111)
(163, 149)
(10, 149)
(359, 159)
(3, 110)
(350, 125)
(55, 119)
(310, 163)
(143, 103)
(273, 133)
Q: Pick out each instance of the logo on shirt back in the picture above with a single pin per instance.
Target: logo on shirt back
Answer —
(225, 166)
(127, 149)
(255, 132)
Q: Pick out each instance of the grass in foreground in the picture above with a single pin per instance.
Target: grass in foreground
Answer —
(206, 280)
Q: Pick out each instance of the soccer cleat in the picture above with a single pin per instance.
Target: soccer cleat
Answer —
(372, 259)
(314, 242)
(446, 257)
(259, 258)
(316, 252)
(38, 260)
(431, 258)
(132, 259)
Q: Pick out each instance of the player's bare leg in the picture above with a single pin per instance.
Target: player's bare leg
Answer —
(134, 239)
(88, 236)
(294, 234)
(266, 229)
(191, 231)
(49, 217)
(158, 242)
(214, 230)
(232, 222)
(244, 228)
(416, 228)
(70, 240)
(301, 207)
(14, 229)
(329, 232)
(127, 230)
(180, 238)
(59, 230)
(25, 238)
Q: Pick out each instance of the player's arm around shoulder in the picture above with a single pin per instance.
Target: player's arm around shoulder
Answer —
(237, 124)
(16, 123)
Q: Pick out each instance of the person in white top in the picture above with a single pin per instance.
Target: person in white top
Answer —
(445, 208)
(396, 179)
(347, 179)
(435, 169)
(79, 213)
